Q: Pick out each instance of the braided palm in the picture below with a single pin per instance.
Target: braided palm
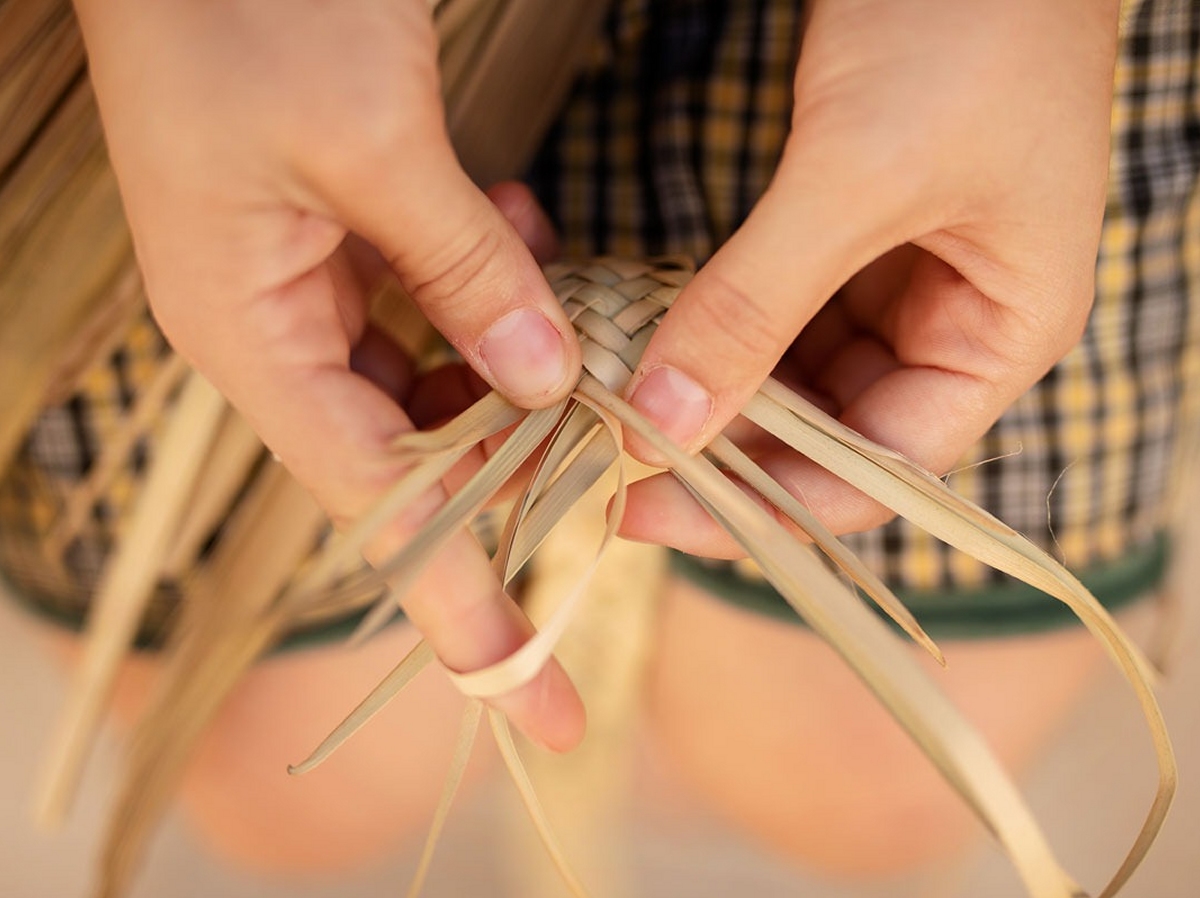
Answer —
(615, 306)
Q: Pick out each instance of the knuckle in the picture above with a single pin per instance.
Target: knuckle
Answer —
(450, 279)
(1060, 319)
(748, 330)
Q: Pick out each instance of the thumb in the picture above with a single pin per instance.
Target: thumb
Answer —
(464, 264)
(732, 323)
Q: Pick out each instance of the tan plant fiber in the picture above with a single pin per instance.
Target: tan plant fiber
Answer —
(68, 289)
(615, 306)
(69, 293)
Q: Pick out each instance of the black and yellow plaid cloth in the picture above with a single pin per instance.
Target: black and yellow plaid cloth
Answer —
(53, 556)
(668, 139)
(675, 131)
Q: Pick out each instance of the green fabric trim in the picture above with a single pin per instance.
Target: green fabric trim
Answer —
(339, 630)
(1008, 609)
(336, 631)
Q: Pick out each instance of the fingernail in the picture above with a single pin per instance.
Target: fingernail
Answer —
(524, 354)
(674, 402)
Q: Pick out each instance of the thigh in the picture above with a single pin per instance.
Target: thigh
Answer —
(376, 792)
(765, 724)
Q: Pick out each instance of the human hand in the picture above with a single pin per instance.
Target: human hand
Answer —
(974, 136)
(253, 141)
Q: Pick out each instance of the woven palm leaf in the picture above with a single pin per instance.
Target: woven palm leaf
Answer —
(181, 518)
(615, 306)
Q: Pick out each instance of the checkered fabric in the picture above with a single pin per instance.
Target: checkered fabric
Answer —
(675, 130)
(51, 560)
(669, 137)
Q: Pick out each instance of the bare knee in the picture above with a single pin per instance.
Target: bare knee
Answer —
(768, 727)
(377, 791)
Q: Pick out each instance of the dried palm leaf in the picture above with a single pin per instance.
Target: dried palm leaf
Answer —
(497, 123)
(61, 194)
(615, 306)
(41, 55)
(148, 408)
(232, 614)
(130, 577)
(606, 652)
(56, 191)
(60, 202)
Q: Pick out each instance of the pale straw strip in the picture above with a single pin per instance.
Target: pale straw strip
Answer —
(463, 28)
(922, 498)
(486, 417)
(417, 659)
(872, 651)
(114, 312)
(127, 583)
(496, 123)
(343, 552)
(546, 500)
(518, 668)
(817, 594)
(433, 453)
(146, 412)
(562, 442)
(41, 53)
(235, 451)
(724, 451)
(461, 756)
(596, 457)
(62, 194)
(606, 652)
(402, 569)
(230, 617)
(512, 759)
(524, 664)
(451, 16)
(577, 425)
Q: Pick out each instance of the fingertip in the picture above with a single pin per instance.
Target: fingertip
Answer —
(474, 628)
(713, 348)
(528, 358)
(563, 716)
(675, 403)
(466, 263)
(547, 710)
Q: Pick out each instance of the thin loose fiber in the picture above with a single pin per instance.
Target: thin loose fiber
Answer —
(189, 513)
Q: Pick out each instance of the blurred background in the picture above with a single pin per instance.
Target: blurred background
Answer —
(1090, 791)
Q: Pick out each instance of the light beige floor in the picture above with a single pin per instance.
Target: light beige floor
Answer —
(1090, 793)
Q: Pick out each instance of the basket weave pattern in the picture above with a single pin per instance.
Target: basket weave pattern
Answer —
(615, 306)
